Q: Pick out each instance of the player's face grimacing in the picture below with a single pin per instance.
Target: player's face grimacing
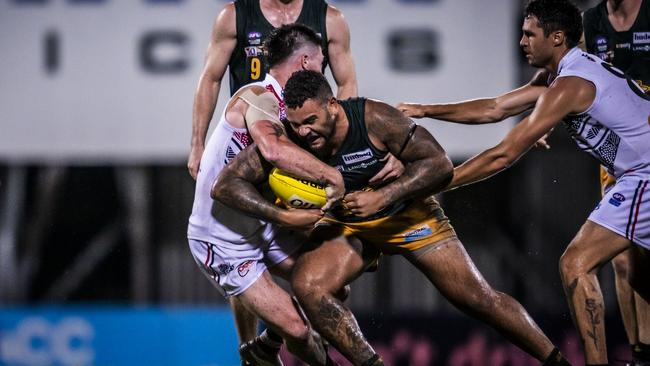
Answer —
(537, 47)
(313, 123)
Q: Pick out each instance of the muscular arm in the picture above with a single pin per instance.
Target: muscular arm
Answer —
(340, 55)
(236, 187)
(222, 43)
(280, 151)
(568, 95)
(484, 110)
(427, 167)
(259, 110)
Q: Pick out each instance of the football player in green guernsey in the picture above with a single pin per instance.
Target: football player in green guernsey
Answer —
(399, 217)
(236, 44)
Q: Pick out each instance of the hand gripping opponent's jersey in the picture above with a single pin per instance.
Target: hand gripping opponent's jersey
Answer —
(615, 129)
(247, 63)
(358, 159)
(211, 221)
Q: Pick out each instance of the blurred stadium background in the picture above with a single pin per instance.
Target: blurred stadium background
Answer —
(95, 119)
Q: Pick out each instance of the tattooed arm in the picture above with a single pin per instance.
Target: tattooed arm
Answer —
(427, 167)
(236, 187)
(276, 148)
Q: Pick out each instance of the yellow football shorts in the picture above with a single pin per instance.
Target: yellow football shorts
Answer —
(422, 223)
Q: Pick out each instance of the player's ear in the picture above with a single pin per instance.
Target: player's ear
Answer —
(558, 38)
(331, 105)
(304, 61)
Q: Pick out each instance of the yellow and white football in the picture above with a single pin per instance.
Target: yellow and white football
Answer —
(294, 192)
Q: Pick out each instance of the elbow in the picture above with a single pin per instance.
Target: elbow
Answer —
(447, 169)
(503, 157)
(271, 153)
(217, 191)
(493, 116)
(447, 172)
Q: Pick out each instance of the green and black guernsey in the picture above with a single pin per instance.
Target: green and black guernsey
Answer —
(247, 63)
(358, 159)
(629, 50)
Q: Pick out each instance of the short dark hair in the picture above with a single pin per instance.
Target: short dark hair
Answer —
(283, 41)
(306, 84)
(554, 15)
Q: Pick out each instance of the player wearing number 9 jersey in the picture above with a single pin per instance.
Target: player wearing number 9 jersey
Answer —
(247, 63)
(235, 43)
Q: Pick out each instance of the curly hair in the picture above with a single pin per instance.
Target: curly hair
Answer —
(554, 15)
(306, 84)
(283, 41)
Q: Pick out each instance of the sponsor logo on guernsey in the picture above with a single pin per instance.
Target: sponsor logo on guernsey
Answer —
(418, 233)
(253, 51)
(641, 37)
(601, 44)
(244, 268)
(255, 38)
(623, 45)
(616, 199)
(225, 268)
(356, 157)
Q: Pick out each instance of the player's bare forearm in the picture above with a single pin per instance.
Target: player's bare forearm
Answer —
(480, 167)
(478, 111)
(483, 110)
(236, 186)
(420, 178)
(276, 148)
(205, 102)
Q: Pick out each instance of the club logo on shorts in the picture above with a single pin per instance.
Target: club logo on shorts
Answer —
(225, 268)
(616, 199)
(418, 233)
(244, 268)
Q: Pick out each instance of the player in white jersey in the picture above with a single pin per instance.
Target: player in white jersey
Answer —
(609, 118)
(234, 250)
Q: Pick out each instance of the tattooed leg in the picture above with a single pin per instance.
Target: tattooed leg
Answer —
(587, 309)
(590, 249)
(319, 273)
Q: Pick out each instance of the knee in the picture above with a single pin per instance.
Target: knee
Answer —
(307, 289)
(621, 264)
(296, 330)
(572, 265)
(639, 283)
(343, 293)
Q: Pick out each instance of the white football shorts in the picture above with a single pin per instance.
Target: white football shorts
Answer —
(625, 209)
(233, 271)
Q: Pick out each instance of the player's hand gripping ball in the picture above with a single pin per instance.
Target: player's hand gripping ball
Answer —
(297, 193)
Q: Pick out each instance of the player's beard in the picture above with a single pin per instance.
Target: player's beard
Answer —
(324, 151)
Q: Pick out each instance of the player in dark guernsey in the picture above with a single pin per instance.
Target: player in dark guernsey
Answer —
(399, 217)
(247, 63)
(618, 32)
(235, 44)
